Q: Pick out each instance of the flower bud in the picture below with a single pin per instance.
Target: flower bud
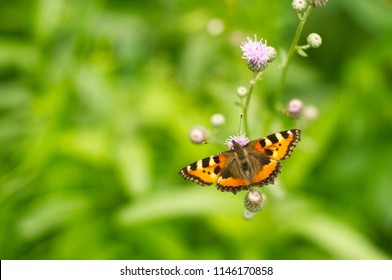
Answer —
(314, 40)
(317, 3)
(217, 120)
(242, 91)
(299, 6)
(311, 112)
(198, 134)
(247, 215)
(294, 108)
(271, 53)
(254, 201)
(215, 26)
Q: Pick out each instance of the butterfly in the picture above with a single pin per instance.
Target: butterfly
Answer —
(257, 163)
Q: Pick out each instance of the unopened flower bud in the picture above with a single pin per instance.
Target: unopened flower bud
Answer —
(217, 120)
(271, 53)
(311, 112)
(248, 215)
(294, 108)
(198, 134)
(299, 6)
(254, 201)
(317, 3)
(314, 40)
(242, 91)
(215, 26)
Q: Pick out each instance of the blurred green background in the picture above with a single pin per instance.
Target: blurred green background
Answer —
(97, 99)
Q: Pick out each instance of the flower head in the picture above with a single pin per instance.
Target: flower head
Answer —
(299, 6)
(256, 54)
(248, 215)
(311, 112)
(314, 40)
(217, 120)
(271, 53)
(215, 26)
(198, 134)
(295, 108)
(254, 201)
(240, 139)
(318, 3)
(242, 91)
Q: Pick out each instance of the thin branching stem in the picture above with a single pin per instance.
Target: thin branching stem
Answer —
(293, 48)
(252, 83)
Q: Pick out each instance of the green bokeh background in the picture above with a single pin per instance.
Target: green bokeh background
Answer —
(97, 99)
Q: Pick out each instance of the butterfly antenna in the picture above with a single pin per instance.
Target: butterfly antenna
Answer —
(213, 143)
(239, 127)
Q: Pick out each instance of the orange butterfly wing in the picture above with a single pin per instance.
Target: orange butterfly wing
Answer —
(206, 171)
(279, 145)
(231, 184)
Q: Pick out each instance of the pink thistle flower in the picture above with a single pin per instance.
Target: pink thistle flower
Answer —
(256, 53)
(295, 108)
(241, 140)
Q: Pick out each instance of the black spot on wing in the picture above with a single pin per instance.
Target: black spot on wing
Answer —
(193, 166)
(273, 138)
(285, 134)
(205, 162)
(216, 159)
(264, 160)
(217, 169)
(269, 152)
(262, 143)
(226, 173)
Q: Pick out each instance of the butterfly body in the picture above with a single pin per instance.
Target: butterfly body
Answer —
(255, 164)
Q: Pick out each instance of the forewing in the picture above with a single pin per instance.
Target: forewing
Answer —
(277, 146)
(206, 171)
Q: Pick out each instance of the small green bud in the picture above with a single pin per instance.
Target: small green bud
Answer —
(217, 120)
(314, 40)
(299, 6)
(247, 215)
(242, 91)
(310, 112)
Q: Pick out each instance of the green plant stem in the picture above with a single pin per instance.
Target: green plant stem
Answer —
(252, 83)
(293, 47)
